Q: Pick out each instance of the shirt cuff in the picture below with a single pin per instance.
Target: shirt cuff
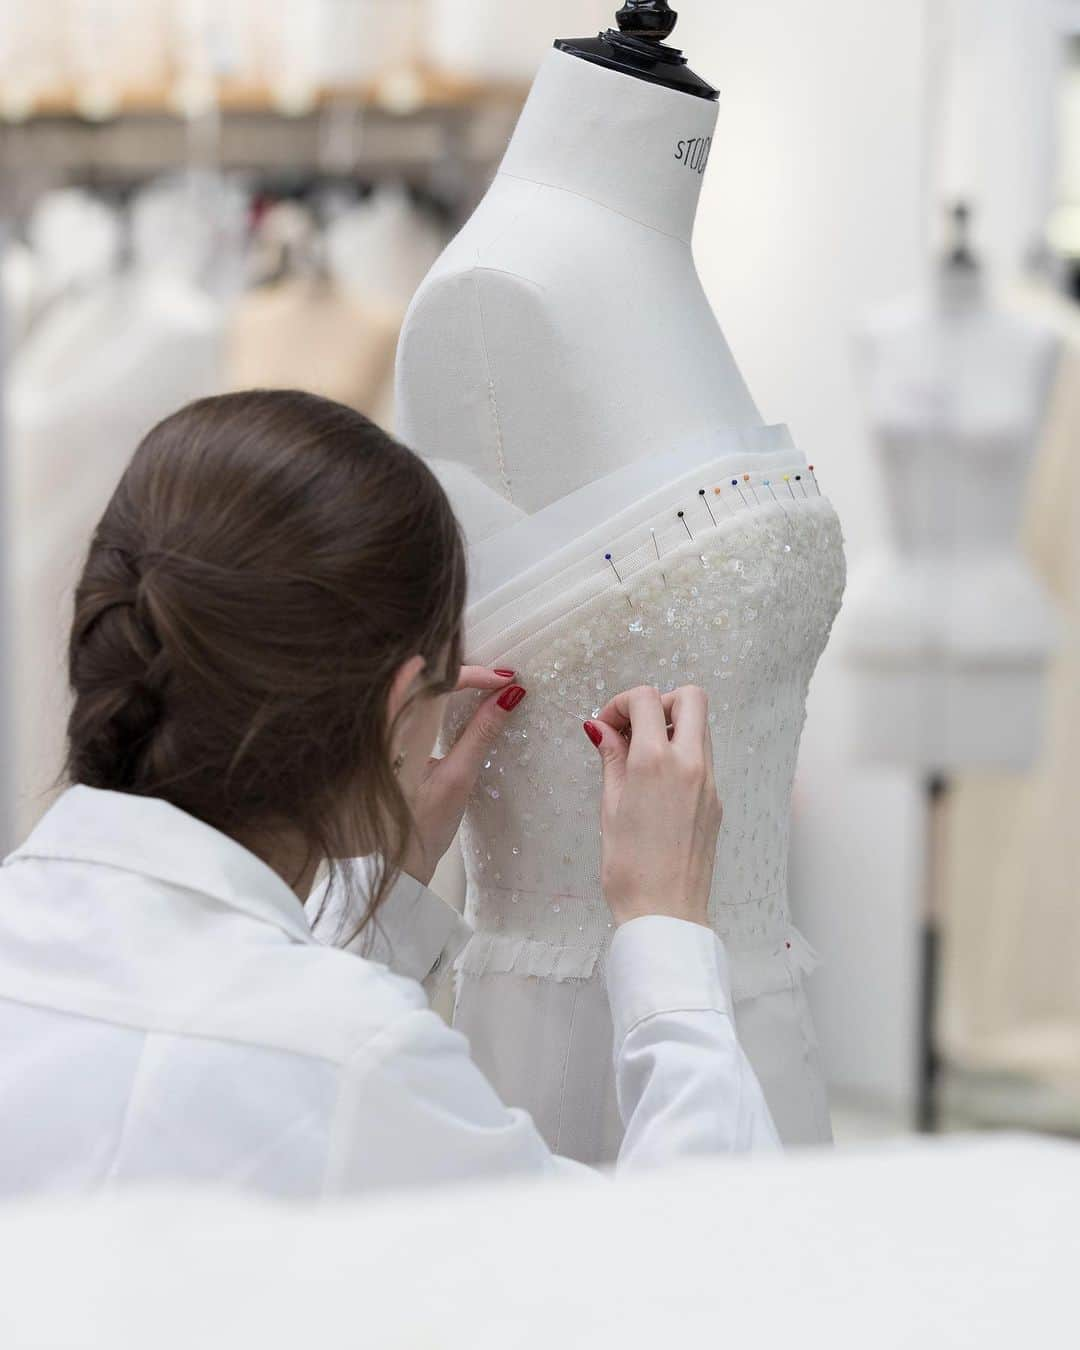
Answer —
(658, 965)
(415, 933)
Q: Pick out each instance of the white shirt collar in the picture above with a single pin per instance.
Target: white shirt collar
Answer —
(148, 836)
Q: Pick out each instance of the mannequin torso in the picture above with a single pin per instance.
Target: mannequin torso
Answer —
(957, 390)
(565, 332)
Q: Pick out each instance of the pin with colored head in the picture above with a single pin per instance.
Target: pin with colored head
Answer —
(708, 507)
(787, 480)
(682, 517)
(746, 479)
(611, 563)
(738, 489)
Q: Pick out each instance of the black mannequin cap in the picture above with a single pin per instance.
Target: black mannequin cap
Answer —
(637, 48)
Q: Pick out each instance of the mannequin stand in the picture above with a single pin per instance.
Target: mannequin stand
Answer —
(928, 1104)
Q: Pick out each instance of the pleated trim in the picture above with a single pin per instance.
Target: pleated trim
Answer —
(490, 954)
(768, 970)
(764, 970)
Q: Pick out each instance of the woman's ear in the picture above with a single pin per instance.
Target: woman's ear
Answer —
(402, 685)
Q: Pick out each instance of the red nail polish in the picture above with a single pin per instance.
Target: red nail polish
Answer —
(510, 698)
(504, 674)
(594, 734)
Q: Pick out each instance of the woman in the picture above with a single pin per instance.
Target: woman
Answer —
(265, 634)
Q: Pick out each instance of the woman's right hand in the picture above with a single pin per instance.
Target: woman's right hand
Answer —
(660, 814)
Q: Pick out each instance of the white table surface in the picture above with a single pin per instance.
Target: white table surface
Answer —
(961, 1243)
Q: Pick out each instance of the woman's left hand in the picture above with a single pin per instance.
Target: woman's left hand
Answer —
(446, 784)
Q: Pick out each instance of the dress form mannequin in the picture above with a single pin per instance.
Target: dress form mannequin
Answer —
(563, 357)
(565, 332)
(953, 628)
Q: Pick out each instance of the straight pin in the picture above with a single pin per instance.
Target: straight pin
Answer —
(716, 493)
(682, 517)
(738, 489)
(787, 480)
(813, 475)
(702, 494)
(798, 479)
(746, 479)
(775, 498)
(611, 561)
(656, 546)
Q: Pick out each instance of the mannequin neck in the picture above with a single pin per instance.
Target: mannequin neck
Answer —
(634, 147)
(959, 291)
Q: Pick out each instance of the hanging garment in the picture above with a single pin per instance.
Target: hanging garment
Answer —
(18, 289)
(1011, 996)
(98, 371)
(735, 590)
(304, 333)
(381, 249)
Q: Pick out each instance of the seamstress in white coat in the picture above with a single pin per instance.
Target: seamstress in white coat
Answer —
(266, 628)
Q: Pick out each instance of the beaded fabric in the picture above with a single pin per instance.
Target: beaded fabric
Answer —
(744, 609)
(738, 594)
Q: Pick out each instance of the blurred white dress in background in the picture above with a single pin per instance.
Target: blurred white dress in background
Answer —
(101, 366)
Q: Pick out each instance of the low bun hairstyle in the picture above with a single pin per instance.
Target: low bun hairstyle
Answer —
(266, 564)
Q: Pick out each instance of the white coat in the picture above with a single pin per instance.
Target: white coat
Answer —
(166, 1014)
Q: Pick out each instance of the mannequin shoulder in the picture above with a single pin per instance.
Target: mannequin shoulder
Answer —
(458, 284)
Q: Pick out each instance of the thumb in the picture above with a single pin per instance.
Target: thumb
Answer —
(474, 744)
(613, 750)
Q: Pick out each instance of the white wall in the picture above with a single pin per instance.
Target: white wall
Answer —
(811, 216)
(508, 38)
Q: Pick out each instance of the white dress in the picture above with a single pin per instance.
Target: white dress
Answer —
(737, 594)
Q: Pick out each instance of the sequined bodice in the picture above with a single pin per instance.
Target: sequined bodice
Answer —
(738, 598)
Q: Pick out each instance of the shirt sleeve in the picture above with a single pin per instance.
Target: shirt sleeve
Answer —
(415, 1110)
(684, 1085)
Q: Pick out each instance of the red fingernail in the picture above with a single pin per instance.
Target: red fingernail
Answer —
(594, 734)
(504, 674)
(510, 698)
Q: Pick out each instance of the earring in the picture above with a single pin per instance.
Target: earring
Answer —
(399, 760)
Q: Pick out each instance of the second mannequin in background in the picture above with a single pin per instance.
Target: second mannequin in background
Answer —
(953, 625)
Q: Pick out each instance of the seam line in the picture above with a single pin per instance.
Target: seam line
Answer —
(492, 400)
(572, 192)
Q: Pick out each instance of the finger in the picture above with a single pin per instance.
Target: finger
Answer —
(480, 677)
(483, 729)
(612, 749)
(648, 722)
(617, 713)
(689, 717)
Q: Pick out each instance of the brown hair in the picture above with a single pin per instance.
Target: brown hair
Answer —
(266, 564)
